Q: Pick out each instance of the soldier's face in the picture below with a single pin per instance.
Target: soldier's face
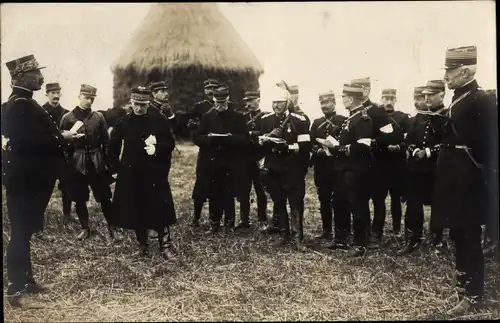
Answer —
(455, 77)
(128, 107)
(139, 108)
(54, 96)
(347, 101)
(252, 104)
(221, 104)
(32, 80)
(419, 102)
(209, 92)
(161, 95)
(434, 100)
(389, 102)
(328, 106)
(86, 101)
(366, 92)
(279, 107)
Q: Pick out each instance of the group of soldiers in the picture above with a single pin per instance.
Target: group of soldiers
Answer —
(442, 157)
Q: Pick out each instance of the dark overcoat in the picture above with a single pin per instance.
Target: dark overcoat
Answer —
(143, 198)
(461, 196)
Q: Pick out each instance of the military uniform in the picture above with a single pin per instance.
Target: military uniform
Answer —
(199, 194)
(378, 181)
(285, 169)
(460, 192)
(88, 162)
(323, 164)
(216, 165)
(56, 113)
(31, 159)
(425, 134)
(143, 198)
(253, 154)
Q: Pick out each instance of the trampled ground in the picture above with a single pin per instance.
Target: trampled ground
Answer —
(233, 278)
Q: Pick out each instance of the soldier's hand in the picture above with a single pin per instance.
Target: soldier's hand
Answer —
(70, 135)
(5, 141)
(321, 152)
(420, 154)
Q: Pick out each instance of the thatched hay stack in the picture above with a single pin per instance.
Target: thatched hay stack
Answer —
(183, 44)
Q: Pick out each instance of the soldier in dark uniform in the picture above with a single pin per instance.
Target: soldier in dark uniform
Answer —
(143, 198)
(423, 145)
(56, 112)
(253, 154)
(88, 161)
(32, 155)
(113, 115)
(461, 197)
(323, 161)
(395, 158)
(352, 173)
(199, 195)
(221, 136)
(382, 137)
(284, 164)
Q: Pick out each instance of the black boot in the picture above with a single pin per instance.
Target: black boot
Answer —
(115, 234)
(412, 243)
(374, 241)
(328, 236)
(84, 234)
(167, 248)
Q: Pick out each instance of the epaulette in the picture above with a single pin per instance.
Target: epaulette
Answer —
(298, 116)
(268, 114)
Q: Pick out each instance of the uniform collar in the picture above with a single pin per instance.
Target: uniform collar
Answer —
(353, 111)
(283, 115)
(472, 85)
(22, 92)
(331, 117)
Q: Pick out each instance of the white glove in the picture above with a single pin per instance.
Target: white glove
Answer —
(294, 147)
(151, 140)
(4, 142)
(365, 141)
(150, 149)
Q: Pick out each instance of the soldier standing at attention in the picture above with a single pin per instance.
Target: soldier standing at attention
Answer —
(199, 195)
(56, 112)
(465, 161)
(323, 161)
(32, 156)
(284, 164)
(221, 136)
(143, 198)
(423, 146)
(88, 161)
(395, 158)
(382, 137)
(254, 154)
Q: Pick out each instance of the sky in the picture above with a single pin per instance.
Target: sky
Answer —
(318, 46)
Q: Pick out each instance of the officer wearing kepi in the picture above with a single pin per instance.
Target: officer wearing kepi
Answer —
(395, 158)
(352, 173)
(382, 137)
(32, 155)
(56, 112)
(423, 146)
(88, 161)
(199, 196)
(285, 137)
(323, 161)
(461, 197)
(254, 153)
(222, 136)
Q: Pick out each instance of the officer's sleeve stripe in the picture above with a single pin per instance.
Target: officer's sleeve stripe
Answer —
(303, 138)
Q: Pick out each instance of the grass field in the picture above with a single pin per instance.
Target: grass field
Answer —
(234, 278)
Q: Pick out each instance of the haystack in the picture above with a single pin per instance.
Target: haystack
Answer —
(183, 44)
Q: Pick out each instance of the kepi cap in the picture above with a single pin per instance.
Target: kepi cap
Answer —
(221, 92)
(23, 65)
(280, 95)
(155, 86)
(88, 90)
(327, 96)
(365, 82)
(52, 87)
(210, 83)
(417, 91)
(353, 90)
(434, 86)
(389, 92)
(140, 94)
(460, 56)
(251, 94)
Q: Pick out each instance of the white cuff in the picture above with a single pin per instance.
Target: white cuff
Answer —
(365, 141)
(303, 138)
(415, 151)
(428, 152)
(294, 146)
(171, 117)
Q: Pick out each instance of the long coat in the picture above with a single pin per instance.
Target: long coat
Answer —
(143, 198)
(460, 192)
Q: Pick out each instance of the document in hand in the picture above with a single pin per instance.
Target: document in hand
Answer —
(76, 126)
(273, 139)
(387, 128)
(219, 134)
(151, 140)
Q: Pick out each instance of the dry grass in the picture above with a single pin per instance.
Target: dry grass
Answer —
(233, 278)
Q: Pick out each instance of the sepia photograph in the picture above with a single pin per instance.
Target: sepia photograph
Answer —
(250, 161)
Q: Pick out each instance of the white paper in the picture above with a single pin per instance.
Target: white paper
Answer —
(76, 126)
(275, 140)
(219, 134)
(365, 141)
(387, 128)
(151, 140)
(5, 141)
(329, 142)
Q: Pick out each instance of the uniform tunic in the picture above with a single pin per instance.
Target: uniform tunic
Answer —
(143, 198)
